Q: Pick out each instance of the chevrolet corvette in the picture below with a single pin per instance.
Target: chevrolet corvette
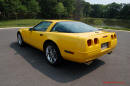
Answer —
(70, 40)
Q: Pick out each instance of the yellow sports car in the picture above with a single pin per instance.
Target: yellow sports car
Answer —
(66, 39)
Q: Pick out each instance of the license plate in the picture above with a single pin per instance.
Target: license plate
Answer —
(104, 45)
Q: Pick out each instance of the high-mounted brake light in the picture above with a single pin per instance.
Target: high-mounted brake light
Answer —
(89, 42)
(96, 40)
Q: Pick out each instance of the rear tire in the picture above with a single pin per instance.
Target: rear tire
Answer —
(52, 54)
(20, 40)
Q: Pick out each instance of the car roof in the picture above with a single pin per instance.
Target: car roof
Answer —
(57, 20)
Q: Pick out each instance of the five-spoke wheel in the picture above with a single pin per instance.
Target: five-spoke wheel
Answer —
(52, 54)
(20, 40)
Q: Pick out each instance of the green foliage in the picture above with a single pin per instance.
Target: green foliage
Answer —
(113, 10)
(125, 11)
(10, 8)
(87, 9)
(48, 8)
(52, 9)
(13, 9)
(97, 11)
(69, 7)
(98, 22)
(79, 6)
(1, 8)
(60, 9)
(32, 7)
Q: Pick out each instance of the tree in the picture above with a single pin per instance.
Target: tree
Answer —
(125, 11)
(48, 8)
(78, 13)
(32, 7)
(69, 7)
(1, 9)
(11, 8)
(97, 11)
(52, 9)
(60, 9)
(87, 9)
(113, 10)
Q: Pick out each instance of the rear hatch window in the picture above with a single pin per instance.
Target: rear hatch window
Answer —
(73, 27)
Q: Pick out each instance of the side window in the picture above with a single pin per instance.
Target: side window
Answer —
(42, 26)
(59, 28)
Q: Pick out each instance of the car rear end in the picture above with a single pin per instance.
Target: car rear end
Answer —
(97, 44)
(80, 42)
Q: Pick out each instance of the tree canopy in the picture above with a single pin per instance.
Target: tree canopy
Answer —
(55, 9)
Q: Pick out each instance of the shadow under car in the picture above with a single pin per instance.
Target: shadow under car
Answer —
(66, 72)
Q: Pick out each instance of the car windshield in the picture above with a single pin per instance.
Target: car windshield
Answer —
(73, 27)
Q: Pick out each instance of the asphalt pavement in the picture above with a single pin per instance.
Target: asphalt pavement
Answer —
(26, 66)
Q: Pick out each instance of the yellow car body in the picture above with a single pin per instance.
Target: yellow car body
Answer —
(72, 46)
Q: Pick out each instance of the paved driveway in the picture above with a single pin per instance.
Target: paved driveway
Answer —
(27, 67)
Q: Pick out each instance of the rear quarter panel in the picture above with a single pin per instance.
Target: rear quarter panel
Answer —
(67, 42)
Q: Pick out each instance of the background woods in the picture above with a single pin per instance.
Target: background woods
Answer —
(57, 9)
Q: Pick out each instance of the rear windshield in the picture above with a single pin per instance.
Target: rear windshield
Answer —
(73, 27)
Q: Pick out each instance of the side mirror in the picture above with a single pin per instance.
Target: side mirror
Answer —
(31, 29)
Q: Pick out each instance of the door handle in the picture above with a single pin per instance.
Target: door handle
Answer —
(41, 34)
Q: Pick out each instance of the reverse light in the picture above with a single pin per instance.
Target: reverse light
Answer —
(89, 42)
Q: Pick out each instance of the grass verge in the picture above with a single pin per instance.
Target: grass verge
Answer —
(20, 23)
(32, 22)
(114, 28)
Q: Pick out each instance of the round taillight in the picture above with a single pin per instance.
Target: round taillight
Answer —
(89, 42)
(96, 40)
(112, 36)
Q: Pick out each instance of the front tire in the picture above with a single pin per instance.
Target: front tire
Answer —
(52, 54)
(20, 40)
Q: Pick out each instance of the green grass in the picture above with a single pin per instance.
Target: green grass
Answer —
(20, 23)
(114, 28)
(97, 22)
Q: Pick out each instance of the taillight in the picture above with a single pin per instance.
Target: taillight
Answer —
(89, 42)
(96, 40)
(114, 35)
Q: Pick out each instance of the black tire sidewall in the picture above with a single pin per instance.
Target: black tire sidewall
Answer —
(21, 40)
(59, 59)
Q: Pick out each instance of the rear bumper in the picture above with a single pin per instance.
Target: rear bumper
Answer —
(88, 56)
(83, 57)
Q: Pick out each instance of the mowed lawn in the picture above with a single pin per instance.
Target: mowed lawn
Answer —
(20, 23)
(96, 22)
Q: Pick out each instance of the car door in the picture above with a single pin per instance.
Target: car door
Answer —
(37, 35)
